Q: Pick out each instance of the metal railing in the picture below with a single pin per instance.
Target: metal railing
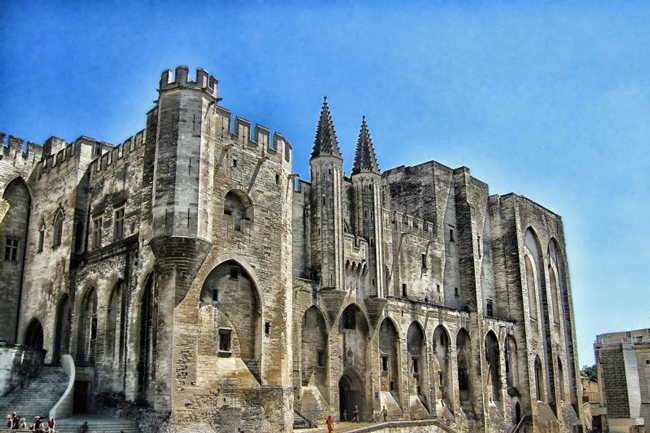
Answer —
(525, 421)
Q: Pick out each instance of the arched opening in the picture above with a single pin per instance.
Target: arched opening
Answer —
(539, 380)
(417, 368)
(492, 356)
(87, 334)
(532, 287)
(388, 358)
(534, 251)
(230, 315)
(517, 413)
(351, 396)
(441, 351)
(511, 363)
(314, 353)
(238, 206)
(564, 314)
(34, 335)
(57, 235)
(62, 331)
(147, 341)
(115, 326)
(14, 235)
(463, 357)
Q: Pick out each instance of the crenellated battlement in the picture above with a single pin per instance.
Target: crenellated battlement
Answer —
(406, 223)
(117, 153)
(274, 146)
(180, 80)
(16, 148)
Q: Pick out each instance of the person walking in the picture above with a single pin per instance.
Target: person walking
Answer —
(356, 413)
(330, 424)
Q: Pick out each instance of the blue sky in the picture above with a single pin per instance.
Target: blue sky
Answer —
(550, 100)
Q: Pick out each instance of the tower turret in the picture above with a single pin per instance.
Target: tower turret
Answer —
(327, 204)
(182, 191)
(366, 182)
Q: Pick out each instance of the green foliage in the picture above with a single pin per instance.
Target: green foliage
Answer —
(590, 373)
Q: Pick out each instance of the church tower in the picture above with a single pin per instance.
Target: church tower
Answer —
(326, 204)
(366, 183)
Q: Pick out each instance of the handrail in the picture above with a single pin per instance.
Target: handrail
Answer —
(523, 422)
(63, 407)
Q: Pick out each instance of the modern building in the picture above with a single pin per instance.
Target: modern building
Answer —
(623, 360)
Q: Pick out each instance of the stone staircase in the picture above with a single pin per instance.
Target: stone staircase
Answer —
(38, 396)
(98, 423)
(252, 366)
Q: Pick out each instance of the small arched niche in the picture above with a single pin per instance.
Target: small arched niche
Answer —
(238, 208)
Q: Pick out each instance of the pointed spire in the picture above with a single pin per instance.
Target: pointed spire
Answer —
(364, 157)
(325, 143)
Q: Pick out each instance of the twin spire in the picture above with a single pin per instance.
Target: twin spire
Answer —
(326, 144)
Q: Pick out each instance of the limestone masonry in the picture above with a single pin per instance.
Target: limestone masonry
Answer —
(188, 270)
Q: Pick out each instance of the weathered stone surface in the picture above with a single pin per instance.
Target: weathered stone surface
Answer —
(187, 272)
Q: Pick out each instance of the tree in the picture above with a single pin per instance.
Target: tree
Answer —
(590, 373)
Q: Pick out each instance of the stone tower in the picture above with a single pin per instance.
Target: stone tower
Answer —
(326, 204)
(366, 182)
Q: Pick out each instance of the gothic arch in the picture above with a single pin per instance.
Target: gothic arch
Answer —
(463, 360)
(442, 353)
(34, 335)
(389, 351)
(231, 308)
(115, 325)
(417, 361)
(511, 362)
(62, 328)
(492, 356)
(146, 337)
(351, 394)
(87, 327)
(314, 349)
(57, 227)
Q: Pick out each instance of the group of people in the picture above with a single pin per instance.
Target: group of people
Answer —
(14, 422)
(329, 422)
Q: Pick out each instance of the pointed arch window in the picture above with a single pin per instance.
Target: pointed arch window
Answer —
(58, 229)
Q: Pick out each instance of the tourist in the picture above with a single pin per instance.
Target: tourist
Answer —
(345, 415)
(356, 413)
(16, 420)
(38, 424)
(10, 422)
(330, 424)
(51, 424)
(23, 424)
(84, 428)
(384, 413)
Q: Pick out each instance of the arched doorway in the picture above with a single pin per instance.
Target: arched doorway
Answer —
(62, 332)
(350, 395)
(34, 335)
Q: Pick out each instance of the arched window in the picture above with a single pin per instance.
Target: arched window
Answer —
(238, 206)
(492, 356)
(532, 289)
(58, 229)
(463, 356)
